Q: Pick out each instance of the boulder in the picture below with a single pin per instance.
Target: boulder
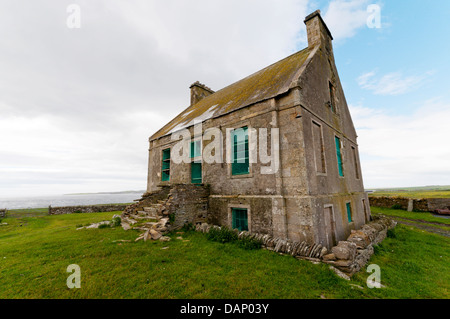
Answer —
(344, 250)
(155, 235)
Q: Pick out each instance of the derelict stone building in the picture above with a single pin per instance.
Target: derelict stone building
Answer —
(314, 191)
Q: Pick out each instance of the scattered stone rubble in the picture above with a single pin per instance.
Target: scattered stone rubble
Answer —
(96, 225)
(347, 258)
(152, 220)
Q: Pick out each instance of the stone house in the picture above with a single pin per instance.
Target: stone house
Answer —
(315, 193)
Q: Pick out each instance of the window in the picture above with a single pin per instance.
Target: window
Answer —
(332, 98)
(319, 154)
(196, 148)
(240, 161)
(339, 156)
(196, 173)
(165, 167)
(355, 160)
(239, 219)
(196, 164)
(349, 212)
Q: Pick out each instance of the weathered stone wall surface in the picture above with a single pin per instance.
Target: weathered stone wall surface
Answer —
(181, 203)
(438, 203)
(85, 209)
(425, 204)
(188, 203)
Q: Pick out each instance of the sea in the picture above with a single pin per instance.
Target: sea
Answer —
(67, 200)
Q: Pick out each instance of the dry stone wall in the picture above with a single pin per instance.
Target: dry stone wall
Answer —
(85, 209)
(424, 204)
(2, 213)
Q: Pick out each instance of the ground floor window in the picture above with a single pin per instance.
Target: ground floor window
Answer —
(196, 173)
(239, 219)
(349, 212)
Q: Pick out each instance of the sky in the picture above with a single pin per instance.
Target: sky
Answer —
(80, 97)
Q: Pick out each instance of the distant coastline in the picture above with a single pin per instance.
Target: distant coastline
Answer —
(108, 193)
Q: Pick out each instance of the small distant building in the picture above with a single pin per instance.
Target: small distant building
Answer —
(313, 188)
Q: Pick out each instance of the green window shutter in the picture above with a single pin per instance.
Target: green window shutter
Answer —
(239, 219)
(196, 173)
(195, 149)
(349, 212)
(165, 166)
(339, 155)
(240, 163)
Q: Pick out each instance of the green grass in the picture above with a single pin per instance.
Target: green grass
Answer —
(416, 194)
(35, 253)
(420, 216)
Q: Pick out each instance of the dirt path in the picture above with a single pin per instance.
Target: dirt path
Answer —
(424, 225)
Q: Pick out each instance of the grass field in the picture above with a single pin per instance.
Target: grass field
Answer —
(35, 253)
(414, 192)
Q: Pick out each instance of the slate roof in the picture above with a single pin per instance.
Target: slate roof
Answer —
(262, 85)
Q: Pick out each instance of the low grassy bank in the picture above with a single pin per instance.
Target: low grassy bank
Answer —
(35, 253)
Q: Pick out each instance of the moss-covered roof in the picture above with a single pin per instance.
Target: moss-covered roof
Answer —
(264, 84)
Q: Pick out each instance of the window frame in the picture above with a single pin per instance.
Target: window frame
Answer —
(234, 152)
(341, 155)
(332, 95)
(348, 206)
(356, 163)
(239, 206)
(167, 169)
(323, 159)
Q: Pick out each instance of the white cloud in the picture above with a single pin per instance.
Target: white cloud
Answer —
(394, 83)
(404, 150)
(77, 106)
(344, 18)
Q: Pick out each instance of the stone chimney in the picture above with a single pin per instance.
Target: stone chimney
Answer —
(199, 91)
(318, 33)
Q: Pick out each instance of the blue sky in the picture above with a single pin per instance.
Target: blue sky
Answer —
(77, 105)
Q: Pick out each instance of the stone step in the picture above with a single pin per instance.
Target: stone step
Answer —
(143, 217)
(152, 209)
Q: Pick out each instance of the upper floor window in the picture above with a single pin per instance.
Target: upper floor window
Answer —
(240, 161)
(196, 164)
(332, 97)
(319, 152)
(355, 160)
(339, 156)
(165, 167)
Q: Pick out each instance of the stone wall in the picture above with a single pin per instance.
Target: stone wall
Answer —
(85, 209)
(438, 203)
(188, 203)
(388, 202)
(2, 213)
(351, 255)
(410, 204)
